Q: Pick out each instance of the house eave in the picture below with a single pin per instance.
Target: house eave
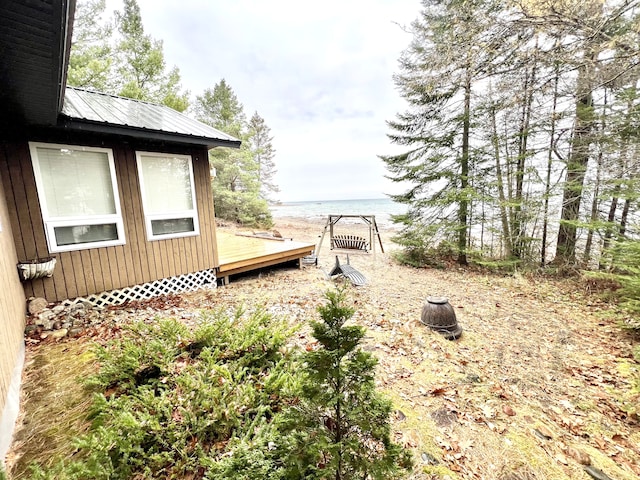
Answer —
(74, 125)
(35, 39)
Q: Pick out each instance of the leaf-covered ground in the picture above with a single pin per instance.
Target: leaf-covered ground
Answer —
(538, 386)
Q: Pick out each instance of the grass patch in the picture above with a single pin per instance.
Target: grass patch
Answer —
(56, 403)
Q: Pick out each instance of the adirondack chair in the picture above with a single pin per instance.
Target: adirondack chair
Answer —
(349, 272)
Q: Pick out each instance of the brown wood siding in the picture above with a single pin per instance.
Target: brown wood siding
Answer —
(12, 298)
(84, 272)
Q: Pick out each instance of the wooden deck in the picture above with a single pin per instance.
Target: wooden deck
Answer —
(238, 254)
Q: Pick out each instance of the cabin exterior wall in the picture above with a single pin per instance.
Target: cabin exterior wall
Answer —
(12, 302)
(83, 272)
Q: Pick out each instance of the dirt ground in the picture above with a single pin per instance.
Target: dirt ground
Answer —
(537, 387)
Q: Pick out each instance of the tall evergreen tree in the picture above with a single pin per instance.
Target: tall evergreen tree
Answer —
(220, 108)
(117, 57)
(236, 187)
(142, 67)
(263, 152)
(594, 47)
(490, 138)
(90, 62)
(438, 73)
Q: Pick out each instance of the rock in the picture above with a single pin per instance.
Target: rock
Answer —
(58, 309)
(57, 325)
(37, 305)
(30, 330)
(429, 459)
(444, 417)
(58, 334)
(597, 474)
(473, 378)
(75, 331)
(82, 305)
(77, 322)
(47, 325)
(45, 319)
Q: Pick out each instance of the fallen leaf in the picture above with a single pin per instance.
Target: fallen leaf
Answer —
(578, 455)
(543, 432)
(438, 391)
(508, 410)
(601, 443)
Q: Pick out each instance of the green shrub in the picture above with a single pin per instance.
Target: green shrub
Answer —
(622, 275)
(170, 402)
(342, 428)
(623, 281)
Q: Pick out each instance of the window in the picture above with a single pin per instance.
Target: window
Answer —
(168, 195)
(78, 196)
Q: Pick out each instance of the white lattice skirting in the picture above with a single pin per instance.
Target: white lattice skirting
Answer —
(182, 283)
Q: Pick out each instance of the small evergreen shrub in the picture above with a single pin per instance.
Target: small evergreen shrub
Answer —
(342, 428)
(171, 403)
(623, 279)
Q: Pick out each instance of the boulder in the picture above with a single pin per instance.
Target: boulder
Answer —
(36, 305)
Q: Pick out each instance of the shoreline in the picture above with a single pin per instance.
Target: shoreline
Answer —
(311, 229)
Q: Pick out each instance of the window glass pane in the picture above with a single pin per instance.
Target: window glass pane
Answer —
(173, 225)
(167, 184)
(76, 183)
(85, 234)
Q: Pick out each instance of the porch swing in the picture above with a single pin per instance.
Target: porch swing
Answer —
(351, 242)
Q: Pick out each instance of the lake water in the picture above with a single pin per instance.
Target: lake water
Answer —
(382, 208)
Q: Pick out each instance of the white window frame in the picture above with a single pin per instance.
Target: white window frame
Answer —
(148, 218)
(51, 222)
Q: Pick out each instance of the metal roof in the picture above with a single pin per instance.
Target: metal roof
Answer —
(35, 37)
(102, 113)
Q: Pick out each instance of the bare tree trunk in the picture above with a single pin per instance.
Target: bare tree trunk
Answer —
(610, 219)
(594, 215)
(547, 187)
(624, 217)
(463, 207)
(504, 219)
(596, 192)
(576, 166)
(518, 227)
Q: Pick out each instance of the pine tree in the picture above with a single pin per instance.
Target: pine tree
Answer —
(342, 423)
(142, 67)
(438, 74)
(236, 187)
(90, 61)
(117, 57)
(220, 108)
(262, 149)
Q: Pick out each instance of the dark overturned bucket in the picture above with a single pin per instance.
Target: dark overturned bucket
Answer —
(438, 315)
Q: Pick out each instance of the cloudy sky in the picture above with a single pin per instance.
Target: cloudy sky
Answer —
(319, 73)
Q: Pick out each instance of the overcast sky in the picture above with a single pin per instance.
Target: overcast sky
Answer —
(319, 73)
